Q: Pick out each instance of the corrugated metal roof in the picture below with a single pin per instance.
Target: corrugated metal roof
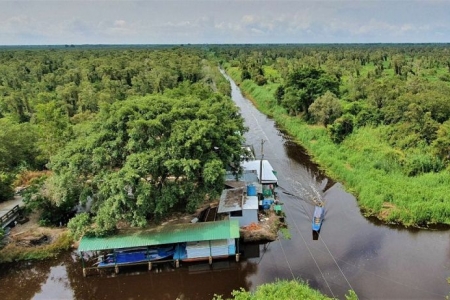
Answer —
(247, 176)
(168, 234)
(231, 200)
(250, 202)
(268, 175)
(229, 203)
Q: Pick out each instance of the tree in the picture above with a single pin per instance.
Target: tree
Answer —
(310, 83)
(6, 190)
(245, 74)
(147, 157)
(441, 145)
(53, 128)
(18, 145)
(325, 109)
(279, 94)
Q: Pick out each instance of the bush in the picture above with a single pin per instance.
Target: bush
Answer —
(341, 128)
(16, 253)
(6, 189)
(260, 80)
(79, 224)
(423, 163)
(283, 289)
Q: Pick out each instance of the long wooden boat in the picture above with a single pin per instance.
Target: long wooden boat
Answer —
(319, 212)
(132, 256)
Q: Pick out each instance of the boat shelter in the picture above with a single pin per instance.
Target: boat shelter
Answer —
(162, 235)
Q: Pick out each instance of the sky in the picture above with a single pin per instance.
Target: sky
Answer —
(60, 22)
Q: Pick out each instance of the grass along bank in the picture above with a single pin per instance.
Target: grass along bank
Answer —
(368, 167)
(24, 250)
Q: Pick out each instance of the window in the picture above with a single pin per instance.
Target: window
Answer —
(237, 213)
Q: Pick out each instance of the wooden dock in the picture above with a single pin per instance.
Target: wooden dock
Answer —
(89, 270)
(10, 216)
(9, 210)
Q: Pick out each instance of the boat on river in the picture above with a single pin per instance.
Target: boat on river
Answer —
(132, 256)
(319, 212)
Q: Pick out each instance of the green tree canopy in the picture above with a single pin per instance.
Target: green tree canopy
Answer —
(305, 85)
(145, 157)
(325, 109)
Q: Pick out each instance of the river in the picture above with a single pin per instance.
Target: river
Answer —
(376, 261)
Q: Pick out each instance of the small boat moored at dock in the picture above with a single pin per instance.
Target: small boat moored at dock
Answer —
(132, 256)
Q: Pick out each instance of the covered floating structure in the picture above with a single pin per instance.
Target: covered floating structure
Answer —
(217, 239)
(264, 170)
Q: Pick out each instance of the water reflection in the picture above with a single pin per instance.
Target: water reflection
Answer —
(57, 285)
(23, 280)
(190, 281)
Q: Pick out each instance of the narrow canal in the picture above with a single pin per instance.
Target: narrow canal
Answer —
(377, 261)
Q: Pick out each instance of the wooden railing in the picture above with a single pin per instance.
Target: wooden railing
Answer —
(9, 215)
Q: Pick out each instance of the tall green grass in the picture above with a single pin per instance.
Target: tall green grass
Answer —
(367, 165)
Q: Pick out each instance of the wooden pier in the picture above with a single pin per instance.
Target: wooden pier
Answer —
(187, 242)
(10, 216)
(88, 270)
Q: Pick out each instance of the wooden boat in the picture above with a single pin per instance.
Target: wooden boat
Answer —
(133, 256)
(317, 220)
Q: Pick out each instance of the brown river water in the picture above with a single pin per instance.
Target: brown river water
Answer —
(352, 252)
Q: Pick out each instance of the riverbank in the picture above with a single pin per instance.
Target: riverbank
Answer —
(358, 163)
(29, 241)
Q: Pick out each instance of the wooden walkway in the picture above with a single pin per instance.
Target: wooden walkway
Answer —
(9, 210)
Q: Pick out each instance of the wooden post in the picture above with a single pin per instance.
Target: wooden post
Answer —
(116, 269)
(82, 264)
(149, 265)
(82, 259)
(177, 263)
(210, 253)
(261, 162)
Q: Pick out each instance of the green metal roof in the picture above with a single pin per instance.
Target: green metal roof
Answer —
(168, 234)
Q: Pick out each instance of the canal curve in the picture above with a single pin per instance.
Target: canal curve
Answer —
(376, 261)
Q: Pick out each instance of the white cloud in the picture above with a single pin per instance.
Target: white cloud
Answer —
(223, 21)
(120, 23)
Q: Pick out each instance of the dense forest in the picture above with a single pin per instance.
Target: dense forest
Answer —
(132, 134)
(374, 116)
(126, 135)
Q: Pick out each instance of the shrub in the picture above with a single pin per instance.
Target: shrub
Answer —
(79, 224)
(341, 128)
(6, 190)
(283, 289)
(423, 163)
